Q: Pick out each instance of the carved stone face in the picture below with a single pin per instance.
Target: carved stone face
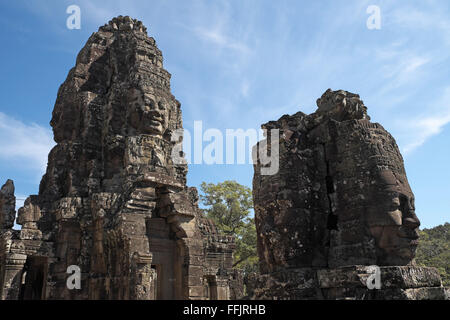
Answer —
(374, 204)
(391, 218)
(147, 114)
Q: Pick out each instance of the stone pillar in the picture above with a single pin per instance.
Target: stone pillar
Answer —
(12, 281)
(195, 269)
(144, 277)
(223, 289)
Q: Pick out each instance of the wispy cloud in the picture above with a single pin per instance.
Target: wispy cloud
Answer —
(220, 40)
(422, 128)
(21, 142)
(431, 18)
(400, 66)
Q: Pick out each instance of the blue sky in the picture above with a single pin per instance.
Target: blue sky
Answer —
(237, 64)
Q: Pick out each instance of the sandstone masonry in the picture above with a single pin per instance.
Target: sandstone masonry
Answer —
(111, 201)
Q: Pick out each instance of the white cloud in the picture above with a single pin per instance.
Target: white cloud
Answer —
(21, 142)
(423, 128)
(411, 17)
(220, 40)
(406, 69)
(400, 66)
(430, 19)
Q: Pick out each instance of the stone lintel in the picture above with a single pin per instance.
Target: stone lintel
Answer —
(162, 180)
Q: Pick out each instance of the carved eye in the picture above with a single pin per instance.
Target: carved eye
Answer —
(406, 204)
(395, 202)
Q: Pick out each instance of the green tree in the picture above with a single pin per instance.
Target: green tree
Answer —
(229, 205)
(434, 250)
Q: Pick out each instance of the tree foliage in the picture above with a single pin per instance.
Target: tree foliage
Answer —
(229, 205)
(434, 250)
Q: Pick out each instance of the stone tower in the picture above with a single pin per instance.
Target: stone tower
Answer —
(339, 204)
(112, 202)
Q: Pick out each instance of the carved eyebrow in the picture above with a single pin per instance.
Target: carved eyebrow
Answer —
(403, 197)
(394, 194)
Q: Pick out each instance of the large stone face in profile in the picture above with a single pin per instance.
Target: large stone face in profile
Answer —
(112, 202)
(340, 198)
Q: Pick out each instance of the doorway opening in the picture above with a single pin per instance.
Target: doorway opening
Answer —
(34, 278)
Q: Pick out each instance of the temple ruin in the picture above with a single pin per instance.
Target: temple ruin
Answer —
(339, 207)
(115, 206)
(112, 202)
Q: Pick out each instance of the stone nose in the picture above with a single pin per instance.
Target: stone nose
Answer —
(409, 228)
(411, 221)
(155, 113)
